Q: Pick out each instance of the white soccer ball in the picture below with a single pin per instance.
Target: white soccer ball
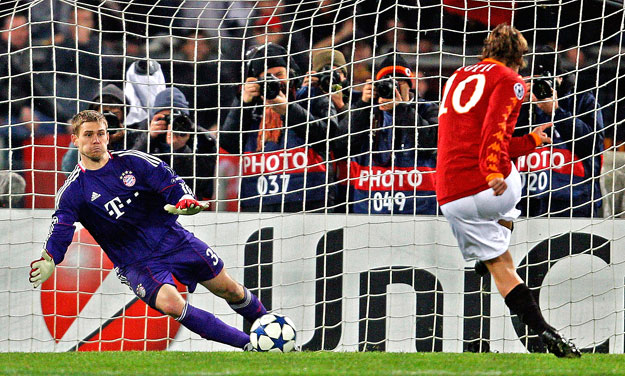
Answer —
(272, 332)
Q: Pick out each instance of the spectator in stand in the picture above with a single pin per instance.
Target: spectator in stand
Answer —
(272, 22)
(241, 25)
(112, 103)
(362, 64)
(397, 38)
(326, 23)
(392, 138)
(15, 57)
(144, 80)
(220, 18)
(197, 76)
(19, 90)
(268, 29)
(613, 184)
(186, 147)
(77, 66)
(561, 180)
(12, 188)
(424, 90)
(282, 142)
(44, 14)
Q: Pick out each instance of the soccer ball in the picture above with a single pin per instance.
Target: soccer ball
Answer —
(273, 333)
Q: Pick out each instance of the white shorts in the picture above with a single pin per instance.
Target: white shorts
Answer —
(473, 220)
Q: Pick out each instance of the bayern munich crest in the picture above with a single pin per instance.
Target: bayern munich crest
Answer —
(128, 178)
(140, 291)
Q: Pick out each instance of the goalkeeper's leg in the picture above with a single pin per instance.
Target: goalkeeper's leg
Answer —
(240, 299)
(520, 300)
(170, 302)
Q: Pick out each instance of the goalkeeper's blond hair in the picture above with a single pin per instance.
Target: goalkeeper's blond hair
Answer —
(85, 117)
(506, 44)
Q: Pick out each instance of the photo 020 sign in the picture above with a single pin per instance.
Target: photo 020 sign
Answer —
(374, 283)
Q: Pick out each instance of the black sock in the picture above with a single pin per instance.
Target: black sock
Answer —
(522, 303)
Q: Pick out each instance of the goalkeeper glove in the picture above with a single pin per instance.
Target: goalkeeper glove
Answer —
(42, 269)
(186, 206)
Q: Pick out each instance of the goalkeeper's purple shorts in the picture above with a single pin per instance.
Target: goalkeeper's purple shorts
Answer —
(193, 263)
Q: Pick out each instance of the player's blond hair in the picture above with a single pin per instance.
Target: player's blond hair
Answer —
(506, 44)
(85, 117)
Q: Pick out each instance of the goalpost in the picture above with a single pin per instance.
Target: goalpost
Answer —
(370, 269)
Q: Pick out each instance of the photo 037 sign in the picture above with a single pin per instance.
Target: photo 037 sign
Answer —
(357, 283)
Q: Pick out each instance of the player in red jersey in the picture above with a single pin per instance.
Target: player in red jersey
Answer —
(477, 186)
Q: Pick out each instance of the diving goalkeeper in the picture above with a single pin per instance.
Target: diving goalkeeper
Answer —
(129, 202)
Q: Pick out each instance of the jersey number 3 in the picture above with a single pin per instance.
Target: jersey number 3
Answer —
(480, 82)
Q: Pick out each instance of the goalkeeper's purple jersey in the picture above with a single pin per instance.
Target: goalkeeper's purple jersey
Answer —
(121, 205)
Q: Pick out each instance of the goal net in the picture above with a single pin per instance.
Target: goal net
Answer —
(322, 197)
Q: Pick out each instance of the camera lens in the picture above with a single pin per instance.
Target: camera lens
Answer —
(326, 78)
(385, 88)
(112, 121)
(542, 88)
(146, 67)
(270, 87)
(180, 122)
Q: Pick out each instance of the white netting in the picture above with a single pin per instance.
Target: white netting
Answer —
(342, 231)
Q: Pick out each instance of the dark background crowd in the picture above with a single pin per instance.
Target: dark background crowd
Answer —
(180, 80)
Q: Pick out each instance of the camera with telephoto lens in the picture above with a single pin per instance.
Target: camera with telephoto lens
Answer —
(146, 67)
(113, 122)
(386, 87)
(180, 121)
(543, 86)
(269, 87)
(327, 77)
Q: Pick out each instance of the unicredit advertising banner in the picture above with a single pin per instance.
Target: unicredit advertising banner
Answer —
(349, 282)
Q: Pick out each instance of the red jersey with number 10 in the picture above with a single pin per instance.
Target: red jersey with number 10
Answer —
(477, 116)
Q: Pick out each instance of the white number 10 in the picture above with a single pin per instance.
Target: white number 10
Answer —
(455, 97)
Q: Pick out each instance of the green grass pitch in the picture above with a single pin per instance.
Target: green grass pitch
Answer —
(306, 364)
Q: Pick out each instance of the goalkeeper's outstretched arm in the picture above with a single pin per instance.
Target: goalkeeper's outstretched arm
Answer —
(60, 236)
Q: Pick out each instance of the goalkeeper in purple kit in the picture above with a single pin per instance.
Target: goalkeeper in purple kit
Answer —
(129, 202)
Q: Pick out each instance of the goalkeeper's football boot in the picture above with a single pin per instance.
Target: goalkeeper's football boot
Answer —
(558, 345)
(248, 347)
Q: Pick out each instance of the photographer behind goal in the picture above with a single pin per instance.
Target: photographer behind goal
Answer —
(561, 179)
(171, 136)
(329, 75)
(282, 142)
(392, 137)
